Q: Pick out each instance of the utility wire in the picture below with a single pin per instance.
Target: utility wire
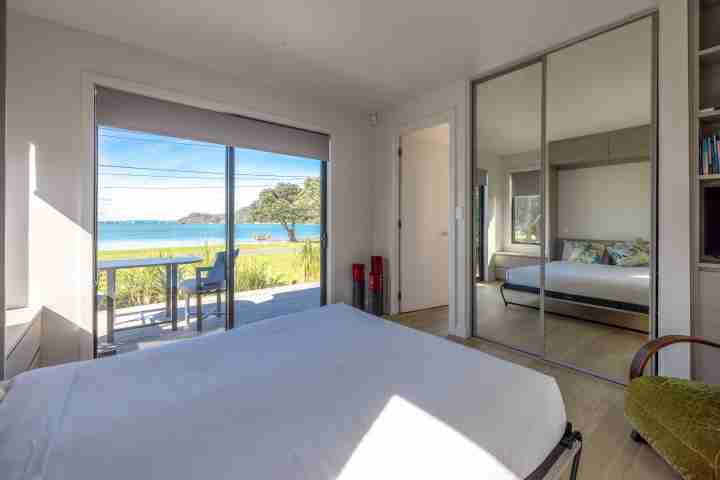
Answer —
(202, 172)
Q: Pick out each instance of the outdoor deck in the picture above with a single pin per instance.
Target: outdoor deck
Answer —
(146, 331)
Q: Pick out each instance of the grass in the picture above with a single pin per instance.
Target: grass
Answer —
(258, 266)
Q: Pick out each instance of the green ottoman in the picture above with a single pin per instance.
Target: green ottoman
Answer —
(679, 419)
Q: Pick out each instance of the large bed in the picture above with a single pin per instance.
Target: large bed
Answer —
(610, 286)
(330, 393)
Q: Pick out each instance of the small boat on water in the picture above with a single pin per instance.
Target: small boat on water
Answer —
(261, 237)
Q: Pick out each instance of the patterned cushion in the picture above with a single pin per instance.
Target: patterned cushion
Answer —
(630, 254)
(585, 251)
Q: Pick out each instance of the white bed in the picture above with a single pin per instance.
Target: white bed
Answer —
(324, 394)
(630, 285)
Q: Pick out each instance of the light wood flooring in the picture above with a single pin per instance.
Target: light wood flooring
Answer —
(595, 407)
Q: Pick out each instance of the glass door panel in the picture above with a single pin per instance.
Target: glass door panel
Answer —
(160, 225)
(598, 200)
(279, 205)
(508, 126)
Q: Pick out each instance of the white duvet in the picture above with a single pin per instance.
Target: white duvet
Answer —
(609, 282)
(324, 394)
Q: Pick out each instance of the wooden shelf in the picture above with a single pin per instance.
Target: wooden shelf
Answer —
(709, 177)
(710, 56)
(709, 116)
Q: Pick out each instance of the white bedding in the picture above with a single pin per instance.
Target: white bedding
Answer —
(609, 282)
(327, 393)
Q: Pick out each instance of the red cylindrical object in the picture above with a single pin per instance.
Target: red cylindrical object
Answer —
(376, 264)
(375, 295)
(375, 282)
(358, 274)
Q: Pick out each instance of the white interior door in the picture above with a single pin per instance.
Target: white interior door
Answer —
(424, 211)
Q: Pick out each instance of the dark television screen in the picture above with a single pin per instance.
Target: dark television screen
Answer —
(712, 220)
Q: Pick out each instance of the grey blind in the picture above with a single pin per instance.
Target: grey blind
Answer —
(525, 183)
(114, 108)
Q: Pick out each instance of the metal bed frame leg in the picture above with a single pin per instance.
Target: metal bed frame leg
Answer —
(502, 294)
(576, 461)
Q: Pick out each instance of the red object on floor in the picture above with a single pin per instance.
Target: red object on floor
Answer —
(376, 264)
(375, 282)
(358, 272)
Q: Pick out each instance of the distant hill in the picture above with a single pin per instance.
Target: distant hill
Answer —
(241, 216)
(204, 218)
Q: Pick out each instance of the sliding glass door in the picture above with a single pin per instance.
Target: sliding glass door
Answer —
(160, 226)
(508, 148)
(564, 150)
(205, 221)
(278, 204)
(599, 201)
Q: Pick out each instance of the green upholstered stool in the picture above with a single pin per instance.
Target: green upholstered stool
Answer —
(679, 419)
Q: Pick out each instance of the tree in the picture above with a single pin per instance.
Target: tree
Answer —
(286, 204)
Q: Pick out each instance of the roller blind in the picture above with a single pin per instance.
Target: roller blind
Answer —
(525, 183)
(115, 108)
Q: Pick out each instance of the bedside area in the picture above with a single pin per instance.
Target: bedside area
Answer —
(22, 339)
(503, 261)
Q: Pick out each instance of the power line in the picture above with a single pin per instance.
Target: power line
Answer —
(201, 172)
(193, 187)
(143, 175)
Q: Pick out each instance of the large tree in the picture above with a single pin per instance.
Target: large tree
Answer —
(287, 204)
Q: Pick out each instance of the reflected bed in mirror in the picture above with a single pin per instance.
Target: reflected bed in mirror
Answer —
(604, 292)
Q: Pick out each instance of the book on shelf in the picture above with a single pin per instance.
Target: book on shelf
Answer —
(710, 155)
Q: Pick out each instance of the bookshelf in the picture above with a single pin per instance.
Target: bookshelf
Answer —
(705, 105)
(704, 55)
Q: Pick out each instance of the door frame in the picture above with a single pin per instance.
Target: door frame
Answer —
(449, 118)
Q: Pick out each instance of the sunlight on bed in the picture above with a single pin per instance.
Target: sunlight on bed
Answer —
(407, 442)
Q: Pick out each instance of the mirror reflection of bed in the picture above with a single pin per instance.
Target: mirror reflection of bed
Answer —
(576, 219)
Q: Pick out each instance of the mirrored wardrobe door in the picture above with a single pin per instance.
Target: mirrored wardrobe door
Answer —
(508, 208)
(598, 192)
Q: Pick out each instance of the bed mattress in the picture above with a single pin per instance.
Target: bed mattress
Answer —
(330, 393)
(607, 282)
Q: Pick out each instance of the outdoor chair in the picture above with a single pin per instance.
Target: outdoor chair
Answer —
(208, 280)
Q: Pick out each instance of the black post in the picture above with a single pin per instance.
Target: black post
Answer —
(230, 237)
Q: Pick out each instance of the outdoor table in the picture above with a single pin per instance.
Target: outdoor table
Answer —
(171, 269)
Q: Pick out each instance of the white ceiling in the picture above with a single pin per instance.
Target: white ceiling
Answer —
(595, 86)
(368, 54)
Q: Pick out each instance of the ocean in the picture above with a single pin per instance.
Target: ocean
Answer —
(150, 234)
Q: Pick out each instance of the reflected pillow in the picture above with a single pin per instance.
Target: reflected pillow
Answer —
(585, 251)
(630, 254)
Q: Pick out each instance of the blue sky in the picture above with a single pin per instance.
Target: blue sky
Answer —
(152, 177)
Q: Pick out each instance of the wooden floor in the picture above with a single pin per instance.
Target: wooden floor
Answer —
(601, 349)
(595, 407)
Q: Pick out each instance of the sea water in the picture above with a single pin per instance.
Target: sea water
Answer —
(157, 234)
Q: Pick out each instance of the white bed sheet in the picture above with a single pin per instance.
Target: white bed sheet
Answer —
(324, 394)
(609, 282)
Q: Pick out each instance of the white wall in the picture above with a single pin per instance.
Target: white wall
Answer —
(611, 202)
(674, 186)
(674, 182)
(48, 71)
(446, 104)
